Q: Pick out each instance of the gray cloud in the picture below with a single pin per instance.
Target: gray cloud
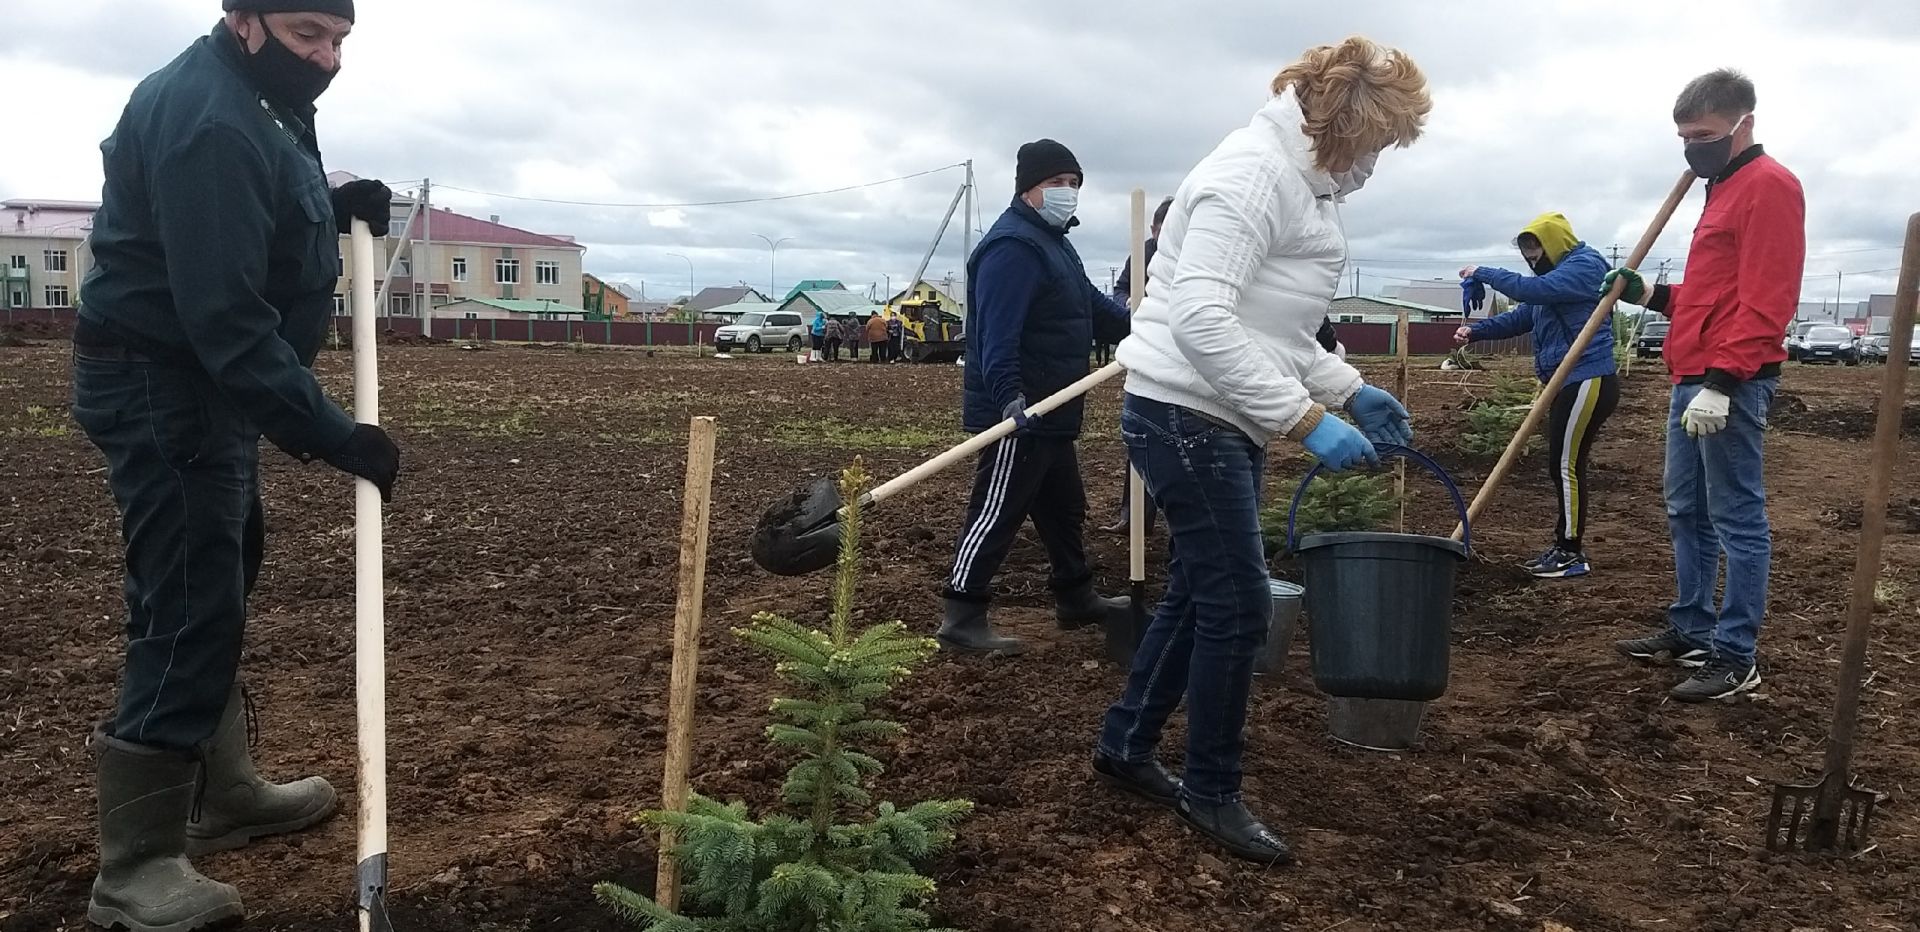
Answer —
(597, 100)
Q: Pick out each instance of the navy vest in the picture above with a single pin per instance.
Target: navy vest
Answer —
(1058, 334)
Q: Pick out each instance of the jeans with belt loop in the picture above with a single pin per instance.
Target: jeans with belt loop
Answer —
(1213, 620)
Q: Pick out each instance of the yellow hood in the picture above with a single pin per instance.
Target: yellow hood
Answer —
(1555, 235)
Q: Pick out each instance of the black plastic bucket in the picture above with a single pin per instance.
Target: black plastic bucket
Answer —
(1380, 606)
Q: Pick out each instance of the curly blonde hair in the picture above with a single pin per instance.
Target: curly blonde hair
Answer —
(1359, 97)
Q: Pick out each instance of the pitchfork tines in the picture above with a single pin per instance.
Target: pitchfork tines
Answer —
(1795, 824)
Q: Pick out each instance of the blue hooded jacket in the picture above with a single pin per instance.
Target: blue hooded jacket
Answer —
(1032, 315)
(1554, 305)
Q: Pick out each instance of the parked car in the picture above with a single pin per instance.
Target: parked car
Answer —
(759, 332)
(1825, 344)
(1875, 348)
(1652, 340)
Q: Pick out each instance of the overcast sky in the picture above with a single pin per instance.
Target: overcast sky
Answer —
(1537, 106)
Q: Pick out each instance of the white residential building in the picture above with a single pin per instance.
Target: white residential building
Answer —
(43, 252)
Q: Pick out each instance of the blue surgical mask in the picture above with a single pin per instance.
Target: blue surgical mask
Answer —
(1058, 204)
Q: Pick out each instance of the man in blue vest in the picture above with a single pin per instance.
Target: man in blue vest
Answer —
(216, 256)
(1032, 313)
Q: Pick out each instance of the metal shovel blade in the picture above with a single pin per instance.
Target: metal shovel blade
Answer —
(1793, 823)
(800, 533)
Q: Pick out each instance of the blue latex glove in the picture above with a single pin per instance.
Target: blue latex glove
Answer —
(1016, 410)
(1381, 416)
(1338, 446)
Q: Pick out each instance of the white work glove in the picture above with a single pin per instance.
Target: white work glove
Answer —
(1707, 414)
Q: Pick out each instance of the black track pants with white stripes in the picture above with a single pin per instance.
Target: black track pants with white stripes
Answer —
(1575, 419)
(1018, 478)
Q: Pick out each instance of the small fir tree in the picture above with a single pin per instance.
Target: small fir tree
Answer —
(833, 861)
(1351, 502)
(1492, 420)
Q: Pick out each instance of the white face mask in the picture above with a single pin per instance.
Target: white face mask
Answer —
(1355, 178)
(1058, 204)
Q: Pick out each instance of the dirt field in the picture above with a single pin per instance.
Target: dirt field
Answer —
(532, 550)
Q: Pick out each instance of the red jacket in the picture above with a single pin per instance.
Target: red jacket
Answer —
(1743, 276)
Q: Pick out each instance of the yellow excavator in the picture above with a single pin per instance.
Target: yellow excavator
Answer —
(933, 334)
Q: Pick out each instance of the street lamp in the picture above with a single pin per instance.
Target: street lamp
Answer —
(689, 262)
(773, 249)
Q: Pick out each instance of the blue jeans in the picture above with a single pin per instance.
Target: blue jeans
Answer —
(1213, 619)
(1717, 504)
(183, 465)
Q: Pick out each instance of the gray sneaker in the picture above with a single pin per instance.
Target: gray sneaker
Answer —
(1718, 679)
(1667, 648)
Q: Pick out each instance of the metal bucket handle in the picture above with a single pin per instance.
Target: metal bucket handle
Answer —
(1388, 451)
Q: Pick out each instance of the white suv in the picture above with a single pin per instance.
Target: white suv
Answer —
(762, 332)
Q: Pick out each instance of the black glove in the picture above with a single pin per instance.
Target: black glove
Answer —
(364, 199)
(370, 454)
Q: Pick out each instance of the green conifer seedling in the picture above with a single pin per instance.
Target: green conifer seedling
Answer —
(831, 860)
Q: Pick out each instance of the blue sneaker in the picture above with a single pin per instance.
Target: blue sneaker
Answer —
(1560, 564)
(1536, 561)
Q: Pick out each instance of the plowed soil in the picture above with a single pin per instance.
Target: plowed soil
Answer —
(531, 563)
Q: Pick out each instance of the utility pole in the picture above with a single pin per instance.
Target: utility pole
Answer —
(1356, 281)
(1838, 279)
(966, 221)
(1113, 279)
(1616, 255)
(1662, 278)
(773, 249)
(425, 259)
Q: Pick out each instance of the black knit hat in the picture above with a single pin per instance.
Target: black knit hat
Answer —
(340, 8)
(1040, 160)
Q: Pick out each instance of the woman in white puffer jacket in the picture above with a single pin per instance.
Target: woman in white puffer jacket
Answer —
(1223, 359)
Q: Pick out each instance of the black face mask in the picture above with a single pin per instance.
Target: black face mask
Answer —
(1708, 159)
(284, 77)
(1541, 265)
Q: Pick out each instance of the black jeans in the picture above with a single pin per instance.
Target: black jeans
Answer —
(184, 467)
(1574, 423)
(1018, 478)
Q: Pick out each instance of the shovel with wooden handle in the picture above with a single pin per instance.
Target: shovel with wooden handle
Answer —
(369, 615)
(1602, 316)
(800, 533)
(1833, 814)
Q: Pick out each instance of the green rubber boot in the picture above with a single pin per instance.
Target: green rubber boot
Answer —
(145, 882)
(237, 806)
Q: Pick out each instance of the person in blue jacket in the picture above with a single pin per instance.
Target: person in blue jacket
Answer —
(1032, 314)
(1555, 303)
(818, 330)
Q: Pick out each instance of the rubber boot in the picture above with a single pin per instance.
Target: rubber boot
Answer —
(146, 883)
(966, 629)
(237, 806)
(1080, 606)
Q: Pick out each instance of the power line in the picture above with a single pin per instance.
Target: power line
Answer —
(725, 203)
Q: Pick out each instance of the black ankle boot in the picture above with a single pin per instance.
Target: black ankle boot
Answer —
(1147, 779)
(1236, 829)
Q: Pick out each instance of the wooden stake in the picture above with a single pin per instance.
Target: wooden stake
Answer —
(1400, 392)
(1136, 488)
(698, 507)
(1602, 314)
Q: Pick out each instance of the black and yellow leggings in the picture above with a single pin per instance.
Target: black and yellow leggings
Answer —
(1577, 414)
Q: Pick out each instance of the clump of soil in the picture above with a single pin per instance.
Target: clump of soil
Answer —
(1903, 517)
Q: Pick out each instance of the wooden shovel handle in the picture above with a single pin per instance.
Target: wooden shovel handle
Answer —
(1602, 313)
(990, 436)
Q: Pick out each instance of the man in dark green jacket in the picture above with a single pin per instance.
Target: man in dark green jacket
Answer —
(216, 255)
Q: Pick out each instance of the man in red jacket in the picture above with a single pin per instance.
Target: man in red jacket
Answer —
(1724, 353)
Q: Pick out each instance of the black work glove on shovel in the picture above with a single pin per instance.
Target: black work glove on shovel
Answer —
(364, 199)
(370, 454)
